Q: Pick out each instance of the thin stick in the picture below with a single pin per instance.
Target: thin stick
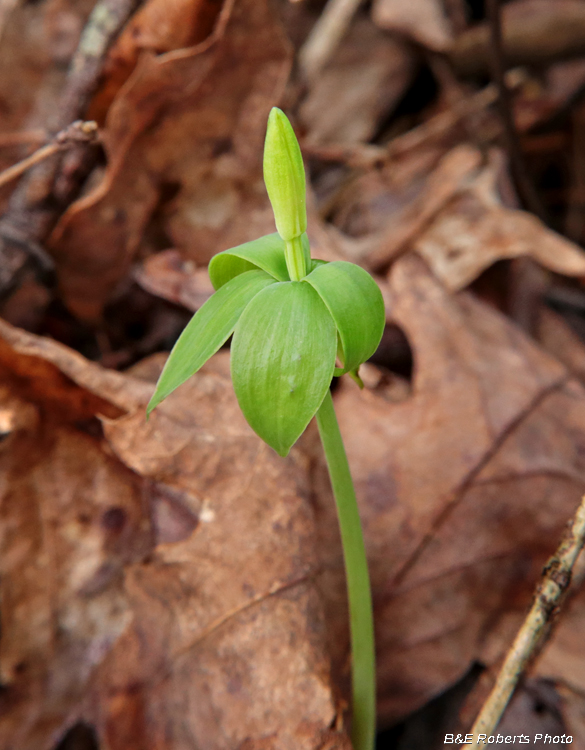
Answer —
(326, 35)
(361, 619)
(77, 132)
(526, 192)
(549, 595)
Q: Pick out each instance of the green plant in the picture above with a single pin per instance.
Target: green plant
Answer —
(290, 316)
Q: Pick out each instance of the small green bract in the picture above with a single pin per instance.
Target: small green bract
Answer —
(288, 327)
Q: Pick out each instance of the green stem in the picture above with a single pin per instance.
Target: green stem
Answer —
(361, 620)
(294, 254)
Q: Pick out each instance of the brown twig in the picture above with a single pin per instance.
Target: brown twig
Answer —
(77, 132)
(524, 187)
(530, 637)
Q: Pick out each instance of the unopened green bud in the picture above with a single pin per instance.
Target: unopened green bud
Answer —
(284, 175)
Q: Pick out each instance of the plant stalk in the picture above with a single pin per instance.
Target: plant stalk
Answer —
(295, 259)
(361, 620)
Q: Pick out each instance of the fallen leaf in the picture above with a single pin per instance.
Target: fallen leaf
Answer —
(422, 20)
(167, 275)
(365, 79)
(473, 230)
(557, 338)
(189, 124)
(403, 217)
(157, 27)
(157, 583)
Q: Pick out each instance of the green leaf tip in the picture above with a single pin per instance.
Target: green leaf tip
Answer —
(207, 331)
(284, 175)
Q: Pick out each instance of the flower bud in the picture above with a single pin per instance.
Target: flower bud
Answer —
(284, 175)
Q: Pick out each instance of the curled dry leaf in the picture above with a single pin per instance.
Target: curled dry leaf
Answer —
(473, 230)
(185, 134)
(422, 20)
(453, 216)
(465, 487)
(158, 584)
(433, 185)
(157, 27)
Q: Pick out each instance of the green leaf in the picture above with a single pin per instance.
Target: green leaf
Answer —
(208, 329)
(266, 253)
(282, 361)
(355, 302)
(316, 262)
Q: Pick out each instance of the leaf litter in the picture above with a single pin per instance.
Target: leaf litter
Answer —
(174, 583)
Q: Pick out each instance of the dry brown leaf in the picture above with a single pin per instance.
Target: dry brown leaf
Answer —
(452, 215)
(167, 275)
(422, 20)
(188, 124)
(159, 585)
(464, 487)
(158, 26)
(557, 338)
(406, 215)
(363, 82)
(473, 230)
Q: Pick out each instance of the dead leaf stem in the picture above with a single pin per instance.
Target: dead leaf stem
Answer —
(77, 132)
(548, 598)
